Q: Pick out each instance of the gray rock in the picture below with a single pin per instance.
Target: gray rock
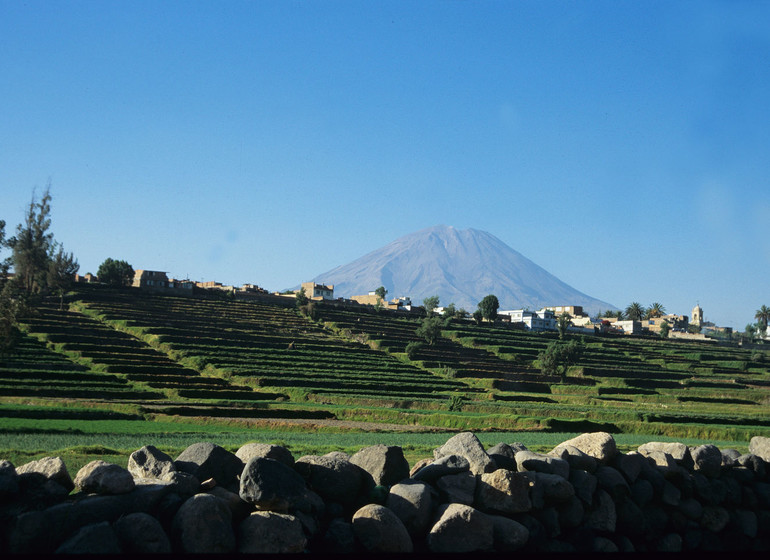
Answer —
(386, 464)
(378, 529)
(571, 513)
(184, 484)
(150, 462)
(503, 491)
(753, 462)
(663, 461)
(630, 465)
(671, 495)
(745, 521)
(537, 462)
(575, 458)
(267, 450)
(457, 488)
(450, 464)
(272, 485)
(413, 502)
(584, 484)
(98, 538)
(207, 460)
(555, 489)
(335, 479)
(203, 525)
(53, 468)
(760, 446)
(461, 529)
(339, 537)
(630, 518)
(642, 492)
(141, 533)
(714, 518)
(503, 455)
(678, 451)
(508, 535)
(599, 445)
(267, 532)
(603, 544)
(239, 508)
(691, 508)
(671, 542)
(602, 516)
(708, 460)
(467, 445)
(729, 457)
(9, 479)
(101, 477)
(612, 482)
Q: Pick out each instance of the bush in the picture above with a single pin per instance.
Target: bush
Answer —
(412, 348)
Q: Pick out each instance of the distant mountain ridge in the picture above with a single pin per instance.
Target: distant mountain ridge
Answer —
(461, 267)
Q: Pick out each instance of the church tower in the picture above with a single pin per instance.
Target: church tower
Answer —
(697, 315)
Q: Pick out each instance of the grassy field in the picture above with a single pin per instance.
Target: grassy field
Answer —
(114, 370)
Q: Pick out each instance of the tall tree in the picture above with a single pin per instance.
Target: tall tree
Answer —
(115, 273)
(763, 318)
(33, 245)
(61, 272)
(488, 307)
(635, 311)
(430, 304)
(563, 323)
(381, 292)
(655, 310)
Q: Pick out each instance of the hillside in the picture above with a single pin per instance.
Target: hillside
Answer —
(461, 267)
(160, 356)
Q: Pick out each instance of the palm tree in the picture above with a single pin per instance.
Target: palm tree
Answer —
(763, 317)
(635, 311)
(655, 310)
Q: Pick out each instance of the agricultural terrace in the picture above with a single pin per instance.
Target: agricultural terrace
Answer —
(141, 363)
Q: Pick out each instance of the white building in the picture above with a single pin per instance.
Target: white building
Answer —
(543, 320)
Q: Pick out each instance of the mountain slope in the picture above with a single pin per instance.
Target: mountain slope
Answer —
(461, 267)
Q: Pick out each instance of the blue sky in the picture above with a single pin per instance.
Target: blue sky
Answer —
(622, 146)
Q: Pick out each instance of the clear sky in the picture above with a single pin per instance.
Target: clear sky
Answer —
(622, 146)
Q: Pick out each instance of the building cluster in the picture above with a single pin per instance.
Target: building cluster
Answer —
(545, 319)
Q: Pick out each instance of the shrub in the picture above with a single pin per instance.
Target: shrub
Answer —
(412, 348)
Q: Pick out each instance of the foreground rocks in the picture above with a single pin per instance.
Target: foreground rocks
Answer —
(583, 496)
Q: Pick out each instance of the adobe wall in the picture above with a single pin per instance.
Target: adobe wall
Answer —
(583, 496)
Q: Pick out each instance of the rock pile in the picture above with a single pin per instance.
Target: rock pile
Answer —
(583, 496)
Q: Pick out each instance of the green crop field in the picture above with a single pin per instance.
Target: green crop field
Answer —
(113, 370)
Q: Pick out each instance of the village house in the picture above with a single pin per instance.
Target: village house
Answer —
(150, 279)
(543, 320)
(318, 291)
(370, 299)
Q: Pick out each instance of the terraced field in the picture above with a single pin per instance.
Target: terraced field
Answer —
(171, 357)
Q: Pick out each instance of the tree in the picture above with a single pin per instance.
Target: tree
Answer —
(664, 329)
(488, 307)
(763, 318)
(61, 272)
(635, 311)
(450, 312)
(430, 304)
(5, 264)
(300, 298)
(563, 323)
(32, 245)
(750, 333)
(655, 310)
(430, 329)
(478, 316)
(558, 357)
(381, 292)
(115, 273)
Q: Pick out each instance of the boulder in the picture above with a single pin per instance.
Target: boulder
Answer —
(379, 530)
(503, 455)
(203, 525)
(508, 535)
(101, 477)
(584, 484)
(97, 538)
(760, 446)
(461, 529)
(386, 464)
(413, 502)
(267, 532)
(207, 460)
(630, 465)
(339, 537)
(613, 482)
(503, 491)
(599, 445)
(555, 489)
(457, 488)
(335, 479)
(575, 458)
(9, 479)
(271, 485)
(150, 462)
(267, 450)
(467, 445)
(53, 468)
(708, 460)
(602, 516)
(141, 533)
(450, 464)
(529, 461)
(678, 451)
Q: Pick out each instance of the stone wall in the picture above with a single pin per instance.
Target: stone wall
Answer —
(582, 496)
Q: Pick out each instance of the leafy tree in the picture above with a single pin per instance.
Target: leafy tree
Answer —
(488, 307)
(61, 272)
(381, 292)
(5, 264)
(115, 273)
(563, 323)
(450, 312)
(33, 245)
(763, 318)
(478, 316)
(430, 304)
(430, 329)
(750, 332)
(412, 348)
(655, 310)
(635, 311)
(300, 298)
(664, 329)
(559, 356)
